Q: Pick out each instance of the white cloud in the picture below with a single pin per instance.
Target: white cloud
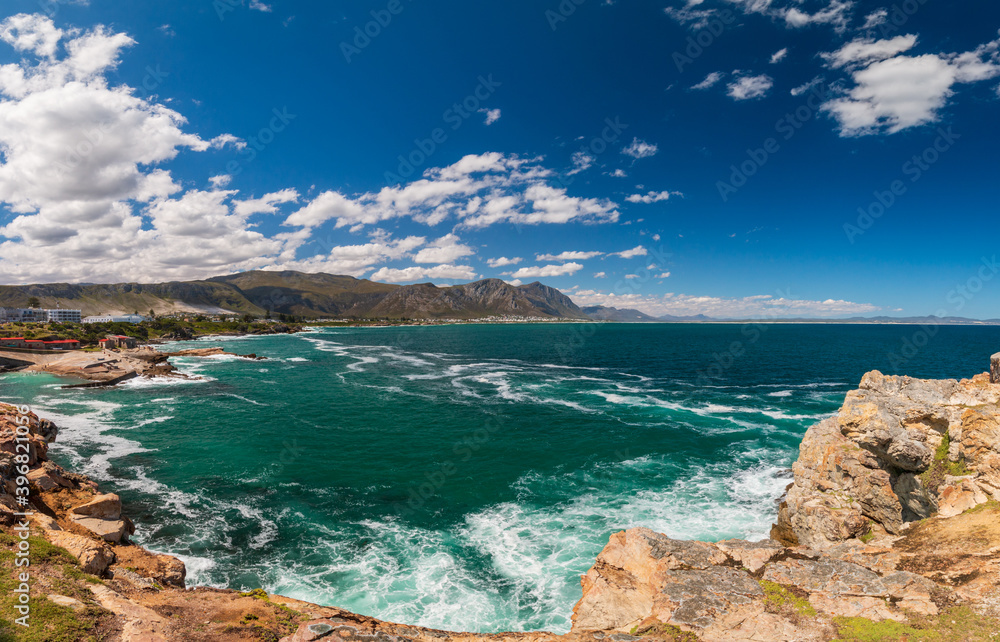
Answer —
(356, 260)
(568, 256)
(803, 88)
(651, 197)
(835, 14)
(581, 161)
(266, 204)
(748, 87)
(896, 93)
(600, 275)
(417, 273)
(446, 249)
(503, 261)
(710, 80)
(631, 254)
(631, 276)
(875, 19)
(866, 50)
(257, 5)
(640, 149)
(663, 275)
(751, 307)
(543, 271)
(779, 55)
(82, 164)
(34, 33)
(492, 116)
(478, 191)
(619, 173)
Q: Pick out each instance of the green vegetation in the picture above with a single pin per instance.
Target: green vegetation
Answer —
(869, 534)
(779, 599)
(667, 632)
(990, 505)
(50, 622)
(957, 624)
(89, 334)
(933, 477)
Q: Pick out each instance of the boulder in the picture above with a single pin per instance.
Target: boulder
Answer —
(751, 555)
(94, 557)
(108, 506)
(110, 530)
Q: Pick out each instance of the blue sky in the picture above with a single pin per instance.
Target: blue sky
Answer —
(729, 157)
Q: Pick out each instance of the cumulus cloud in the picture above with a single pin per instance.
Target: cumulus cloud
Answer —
(492, 116)
(355, 260)
(895, 92)
(619, 173)
(640, 149)
(866, 50)
(710, 80)
(835, 13)
(631, 254)
(751, 307)
(600, 275)
(267, 204)
(748, 87)
(875, 19)
(419, 273)
(651, 197)
(477, 191)
(582, 161)
(503, 261)
(257, 5)
(568, 256)
(446, 249)
(544, 271)
(779, 55)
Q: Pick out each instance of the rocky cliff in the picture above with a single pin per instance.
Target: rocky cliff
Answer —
(890, 531)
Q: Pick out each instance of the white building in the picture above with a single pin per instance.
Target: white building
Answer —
(108, 318)
(64, 316)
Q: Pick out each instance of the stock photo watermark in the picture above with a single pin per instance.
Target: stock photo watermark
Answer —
(913, 170)
(365, 34)
(785, 129)
(956, 298)
(698, 43)
(22, 491)
(454, 116)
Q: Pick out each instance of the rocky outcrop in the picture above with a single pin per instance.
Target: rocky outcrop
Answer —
(900, 450)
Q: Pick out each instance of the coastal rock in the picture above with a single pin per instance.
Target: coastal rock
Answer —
(751, 555)
(110, 530)
(107, 506)
(882, 460)
(94, 557)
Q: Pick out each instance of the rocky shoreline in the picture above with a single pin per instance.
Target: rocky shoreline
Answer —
(890, 530)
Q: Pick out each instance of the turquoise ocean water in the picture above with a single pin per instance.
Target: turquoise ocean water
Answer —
(464, 477)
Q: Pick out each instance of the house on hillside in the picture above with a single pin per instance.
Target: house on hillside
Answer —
(119, 341)
(115, 318)
(13, 342)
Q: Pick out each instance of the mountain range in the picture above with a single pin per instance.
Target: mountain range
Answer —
(327, 295)
(301, 294)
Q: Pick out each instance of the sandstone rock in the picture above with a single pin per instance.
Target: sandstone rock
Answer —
(110, 530)
(94, 557)
(45, 522)
(107, 506)
(172, 571)
(751, 555)
(995, 368)
(959, 496)
(697, 598)
(70, 602)
(865, 464)
(40, 480)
